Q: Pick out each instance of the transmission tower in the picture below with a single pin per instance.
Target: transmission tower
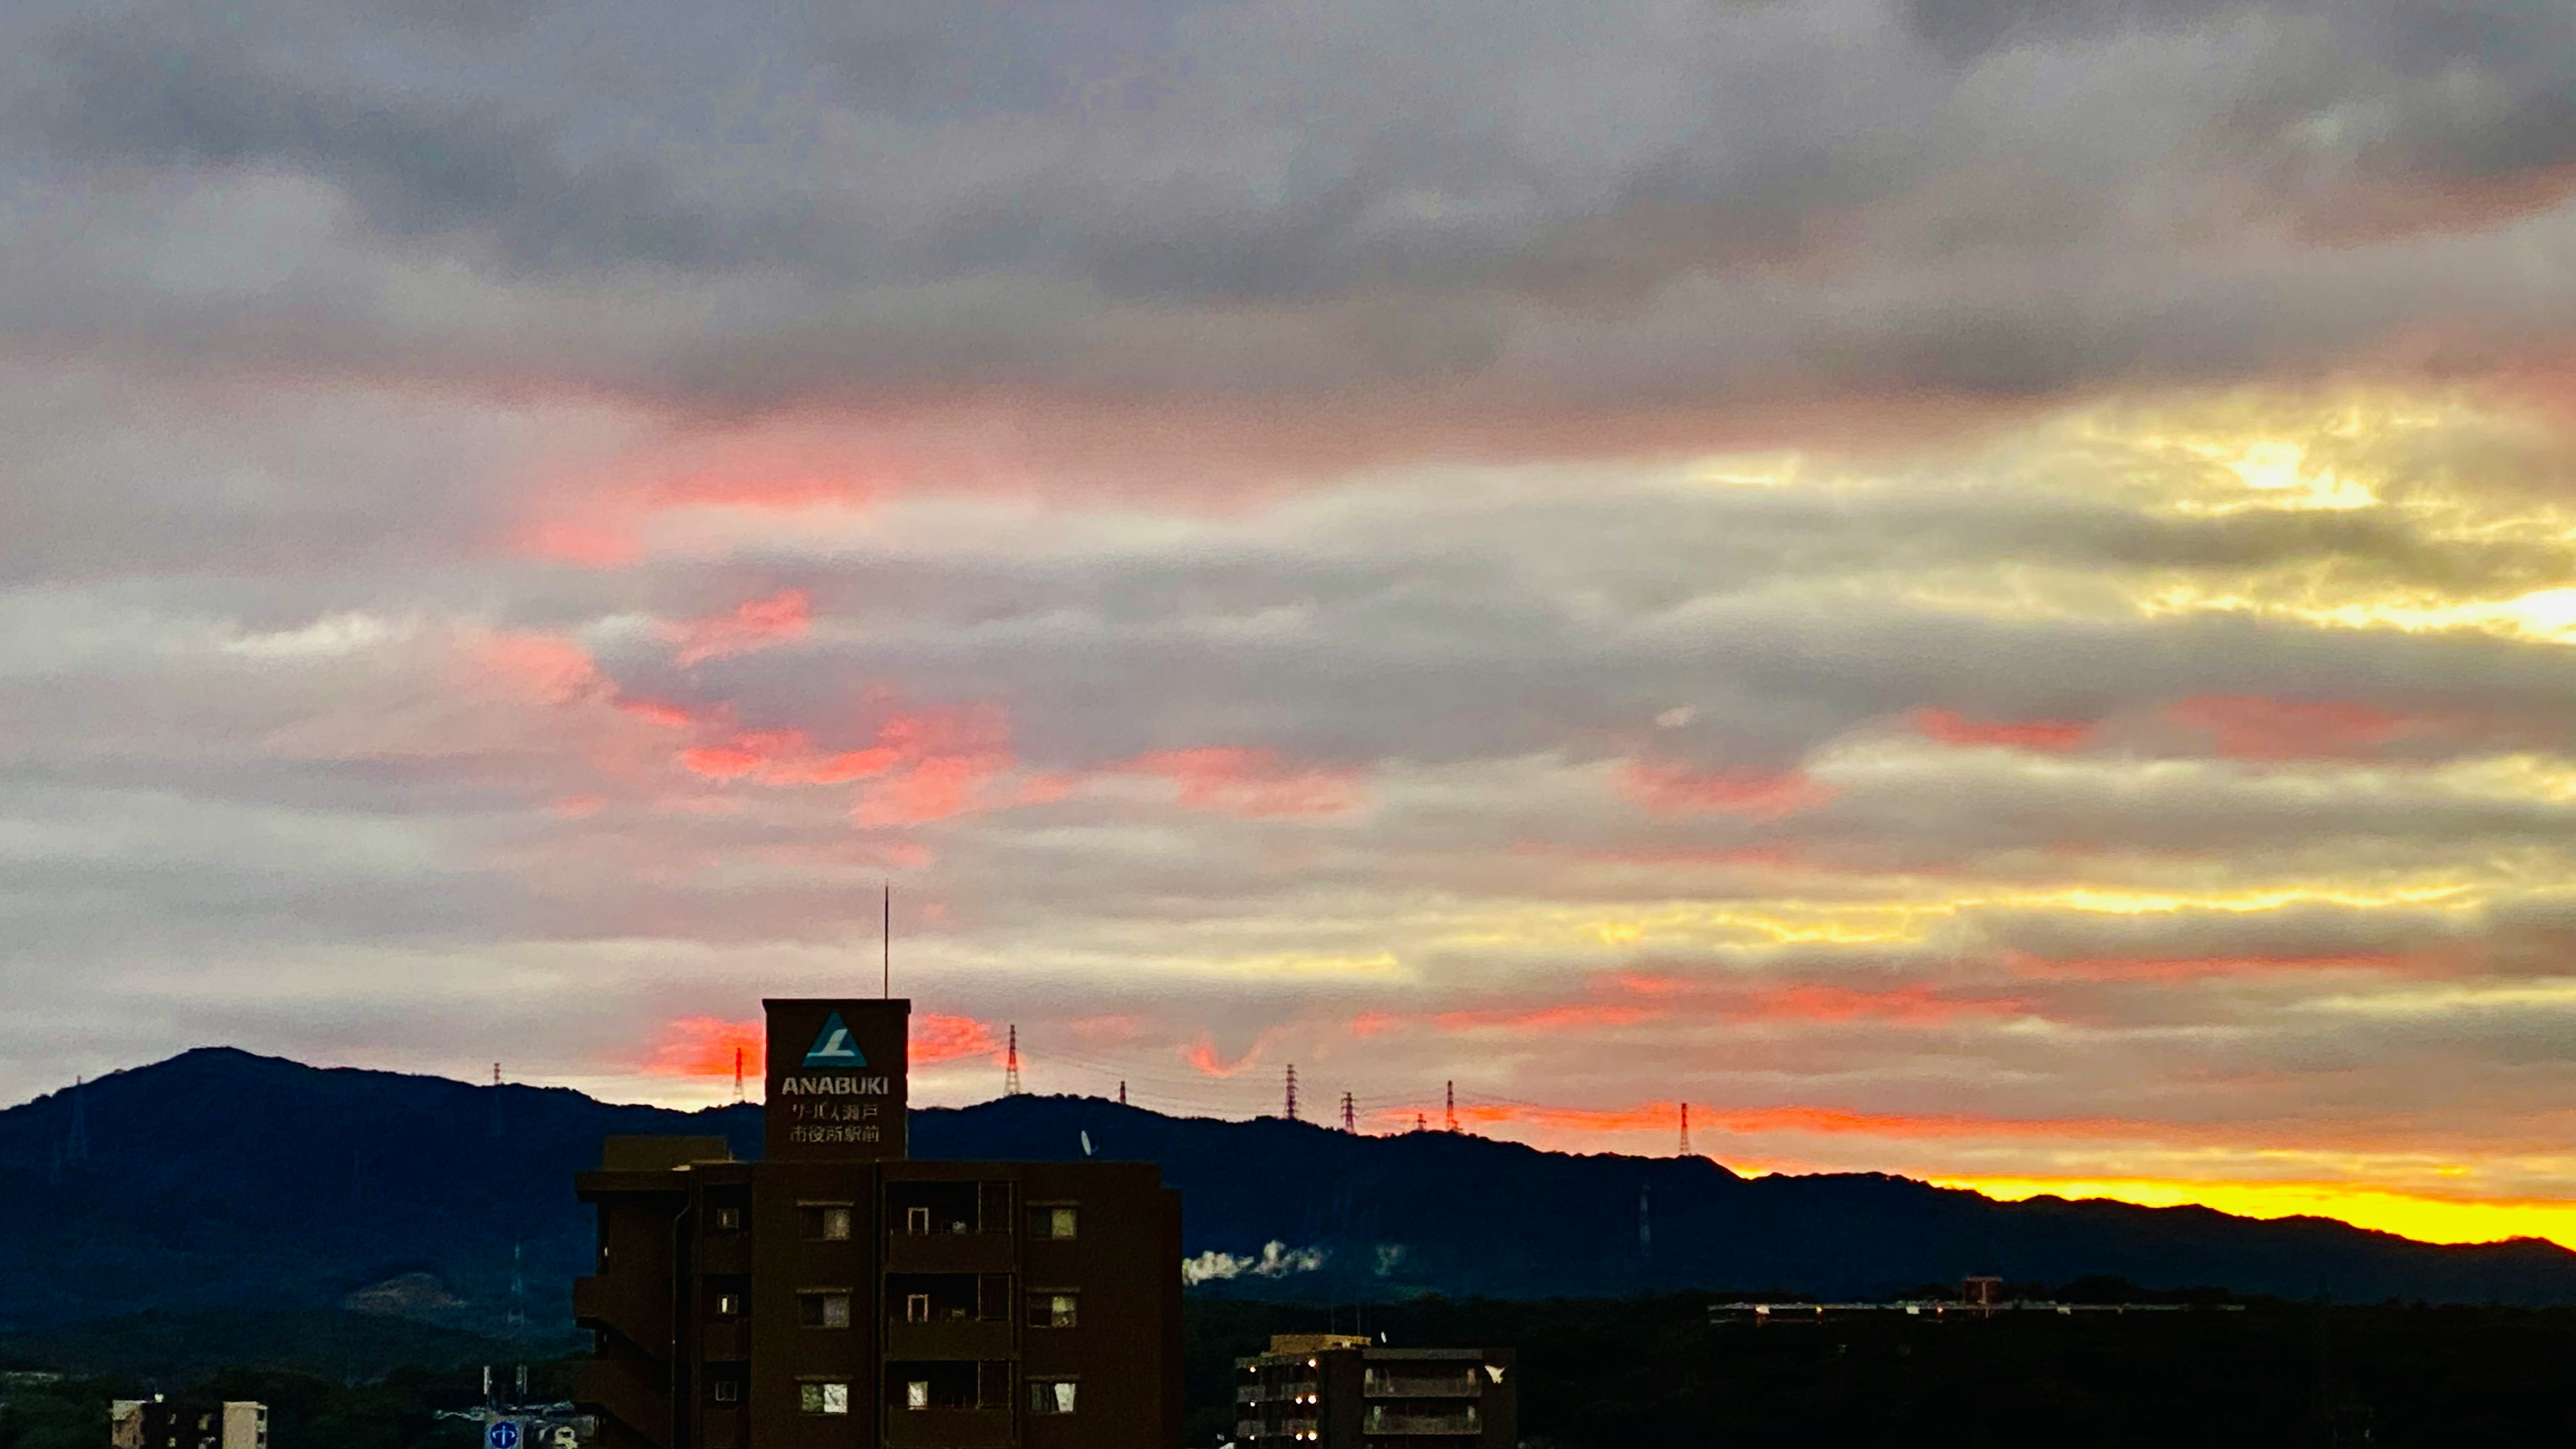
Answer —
(1421, 1123)
(1122, 1094)
(1350, 1116)
(76, 1141)
(1453, 1106)
(737, 1076)
(1686, 1147)
(1011, 1066)
(1292, 1091)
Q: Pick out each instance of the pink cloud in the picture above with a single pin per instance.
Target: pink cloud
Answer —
(1248, 782)
(752, 625)
(935, 1039)
(2256, 727)
(1546, 1020)
(1754, 794)
(1951, 728)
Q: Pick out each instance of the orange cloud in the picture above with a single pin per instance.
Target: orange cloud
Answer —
(935, 1039)
(1755, 794)
(1373, 1023)
(752, 625)
(1951, 728)
(785, 757)
(1246, 782)
(1202, 1055)
(1570, 1017)
(705, 1046)
(548, 667)
(1920, 1005)
(586, 545)
(923, 766)
(2254, 727)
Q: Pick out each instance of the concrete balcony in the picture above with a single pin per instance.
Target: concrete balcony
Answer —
(728, 1428)
(602, 1301)
(949, 1429)
(612, 1391)
(726, 1253)
(724, 1340)
(949, 1253)
(1423, 1386)
(1379, 1421)
(947, 1339)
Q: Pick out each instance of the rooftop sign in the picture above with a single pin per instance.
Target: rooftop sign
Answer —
(836, 1089)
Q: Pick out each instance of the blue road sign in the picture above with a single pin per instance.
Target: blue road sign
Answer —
(502, 1435)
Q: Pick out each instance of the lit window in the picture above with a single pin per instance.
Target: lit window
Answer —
(830, 1224)
(823, 1310)
(916, 1394)
(916, 1220)
(1051, 1396)
(728, 1220)
(1052, 1310)
(728, 1305)
(916, 1308)
(728, 1391)
(1051, 1222)
(823, 1398)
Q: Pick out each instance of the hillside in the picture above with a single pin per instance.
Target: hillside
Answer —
(218, 1179)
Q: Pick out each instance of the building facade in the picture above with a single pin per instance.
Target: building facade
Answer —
(838, 1295)
(1341, 1392)
(158, 1423)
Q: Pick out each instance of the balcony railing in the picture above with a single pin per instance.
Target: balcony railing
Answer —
(1379, 1421)
(1424, 1386)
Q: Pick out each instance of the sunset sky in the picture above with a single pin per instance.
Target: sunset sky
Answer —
(1973, 588)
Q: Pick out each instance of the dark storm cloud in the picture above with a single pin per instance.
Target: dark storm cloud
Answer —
(1688, 210)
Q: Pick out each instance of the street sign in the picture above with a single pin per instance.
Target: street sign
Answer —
(502, 1435)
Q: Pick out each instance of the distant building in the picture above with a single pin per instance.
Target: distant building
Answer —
(839, 1296)
(1342, 1392)
(158, 1423)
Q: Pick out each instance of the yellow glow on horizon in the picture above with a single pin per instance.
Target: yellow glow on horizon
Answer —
(2413, 1215)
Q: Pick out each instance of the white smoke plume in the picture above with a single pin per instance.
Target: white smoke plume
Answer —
(1277, 1260)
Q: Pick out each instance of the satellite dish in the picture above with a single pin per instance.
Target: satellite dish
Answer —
(1086, 1144)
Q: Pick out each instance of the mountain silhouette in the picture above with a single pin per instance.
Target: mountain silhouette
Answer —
(223, 1180)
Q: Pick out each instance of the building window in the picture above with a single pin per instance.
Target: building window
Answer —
(1053, 1310)
(1051, 1222)
(916, 1394)
(916, 1308)
(1051, 1396)
(828, 1223)
(728, 1219)
(728, 1391)
(728, 1305)
(823, 1397)
(823, 1310)
(916, 1221)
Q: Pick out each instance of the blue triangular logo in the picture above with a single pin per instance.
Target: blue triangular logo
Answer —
(833, 1047)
